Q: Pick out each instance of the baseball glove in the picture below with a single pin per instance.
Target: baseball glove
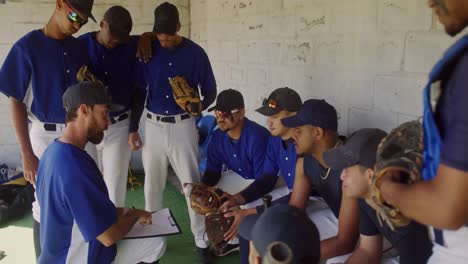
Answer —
(185, 96)
(399, 153)
(216, 225)
(205, 199)
(84, 74)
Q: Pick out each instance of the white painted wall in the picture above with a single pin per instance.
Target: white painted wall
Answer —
(369, 58)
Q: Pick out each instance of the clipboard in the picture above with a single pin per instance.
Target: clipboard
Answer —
(163, 224)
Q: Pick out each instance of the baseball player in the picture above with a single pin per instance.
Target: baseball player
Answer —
(440, 200)
(79, 223)
(112, 60)
(170, 132)
(36, 72)
(357, 159)
(236, 154)
(280, 157)
(316, 132)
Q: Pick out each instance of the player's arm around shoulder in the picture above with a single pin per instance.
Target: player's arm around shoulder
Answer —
(301, 188)
(145, 46)
(368, 251)
(348, 230)
(126, 219)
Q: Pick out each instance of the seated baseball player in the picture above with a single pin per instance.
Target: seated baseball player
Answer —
(357, 159)
(316, 132)
(236, 151)
(280, 158)
(79, 223)
(282, 234)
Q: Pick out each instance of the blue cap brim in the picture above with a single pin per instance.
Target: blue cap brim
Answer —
(339, 158)
(293, 121)
(246, 226)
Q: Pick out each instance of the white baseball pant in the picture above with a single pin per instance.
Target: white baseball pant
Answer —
(175, 144)
(455, 248)
(113, 155)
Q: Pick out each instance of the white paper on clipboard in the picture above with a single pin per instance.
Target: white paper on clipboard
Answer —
(163, 224)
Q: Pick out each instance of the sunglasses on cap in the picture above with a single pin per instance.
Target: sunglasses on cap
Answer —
(228, 114)
(74, 17)
(271, 103)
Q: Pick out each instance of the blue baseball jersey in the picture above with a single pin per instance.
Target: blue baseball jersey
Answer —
(282, 159)
(188, 60)
(75, 207)
(244, 156)
(117, 68)
(38, 70)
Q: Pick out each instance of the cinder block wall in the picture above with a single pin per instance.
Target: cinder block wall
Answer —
(369, 58)
(21, 16)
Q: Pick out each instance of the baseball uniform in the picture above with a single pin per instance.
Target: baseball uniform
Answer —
(170, 133)
(75, 207)
(445, 126)
(36, 72)
(117, 69)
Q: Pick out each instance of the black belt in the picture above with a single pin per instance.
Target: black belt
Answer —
(167, 119)
(119, 118)
(439, 237)
(50, 127)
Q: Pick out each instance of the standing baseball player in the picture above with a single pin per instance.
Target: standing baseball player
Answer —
(170, 132)
(357, 159)
(440, 200)
(316, 132)
(79, 223)
(112, 59)
(38, 69)
(280, 158)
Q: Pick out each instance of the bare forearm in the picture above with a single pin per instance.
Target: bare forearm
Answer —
(420, 201)
(361, 256)
(20, 123)
(118, 230)
(333, 247)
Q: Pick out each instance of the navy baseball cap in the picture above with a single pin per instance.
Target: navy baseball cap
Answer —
(166, 19)
(281, 99)
(88, 93)
(314, 112)
(120, 22)
(360, 148)
(283, 223)
(83, 6)
(228, 100)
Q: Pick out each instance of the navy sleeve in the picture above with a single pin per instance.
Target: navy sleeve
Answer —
(271, 163)
(139, 96)
(454, 150)
(15, 74)
(366, 225)
(259, 187)
(87, 198)
(213, 164)
(258, 148)
(205, 75)
(267, 181)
